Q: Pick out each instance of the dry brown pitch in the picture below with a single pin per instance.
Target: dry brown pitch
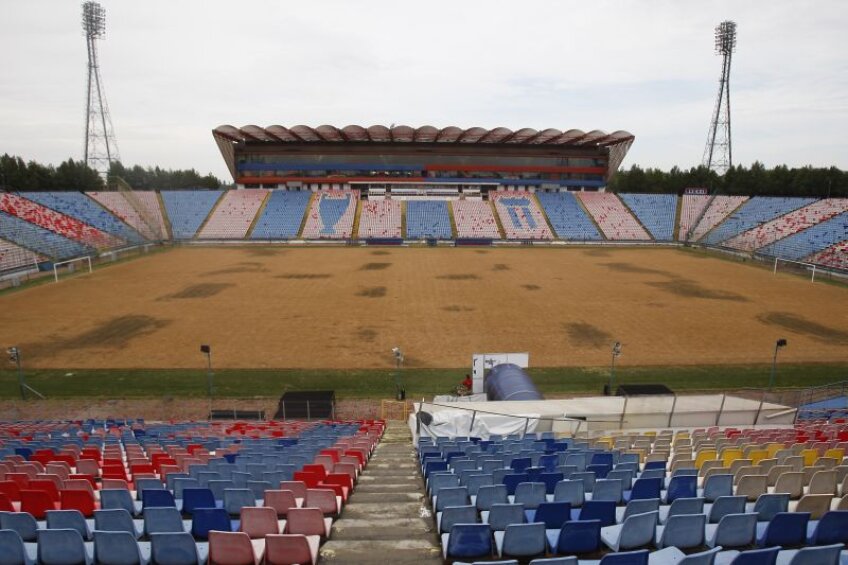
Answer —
(347, 307)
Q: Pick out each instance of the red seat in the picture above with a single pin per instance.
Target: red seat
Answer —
(297, 487)
(230, 548)
(37, 503)
(11, 490)
(341, 479)
(307, 521)
(6, 504)
(324, 499)
(280, 500)
(288, 549)
(81, 500)
(21, 479)
(82, 477)
(47, 486)
(317, 469)
(257, 522)
(311, 480)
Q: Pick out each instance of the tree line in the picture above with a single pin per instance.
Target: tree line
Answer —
(17, 174)
(755, 180)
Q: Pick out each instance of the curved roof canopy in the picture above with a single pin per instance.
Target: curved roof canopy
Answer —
(423, 134)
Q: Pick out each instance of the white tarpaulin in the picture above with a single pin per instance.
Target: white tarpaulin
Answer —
(453, 423)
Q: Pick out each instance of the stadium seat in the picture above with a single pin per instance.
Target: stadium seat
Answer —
(12, 549)
(635, 532)
(205, 520)
(194, 498)
(61, 547)
(521, 540)
(468, 541)
(174, 549)
(230, 548)
(116, 548)
(575, 537)
(290, 549)
(787, 529)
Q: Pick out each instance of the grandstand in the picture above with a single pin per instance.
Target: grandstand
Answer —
(380, 219)
(14, 257)
(612, 217)
(520, 216)
(233, 215)
(188, 209)
(567, 216)
(427, 219)
(692, 206)
(282, 216)
(758, 210)
(835, 256)
(655, 211)
(40, 240)
(331, 215)
(719, 208)
(147, 220)
(474, 220)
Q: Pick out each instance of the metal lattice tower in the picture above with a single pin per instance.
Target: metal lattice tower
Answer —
(101, 147)
(718, 154)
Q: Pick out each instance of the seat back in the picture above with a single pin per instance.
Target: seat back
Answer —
(816, 504)
(115, 520)
(230, 548)
(553, 514)
(570, 491)
(36, 502)
(501, 515)
(602, 510)
(457, 515)
(752, 486)
(736, 530)
(280, 500)
(769, 504)
(685, 531)
(157, 498)
(297, 487)
(469, 541)
(682, 486)
(638, 530)
(174, 549)
(640, 506)
(608, 489)
(306, 521)
(194, 498)
(21, 522)
(579, 536)
(646, 488)
(702, 558)
(259, 522)
(824, 555)
(116, 548)
(786, 529)
(832, 528)
(725, 505)
(823, 482)
(524, 540)
(60, 547)
(162, 520)
(80, 500)
(791, 483)
(682, 506)
(204, 520)
(284, 549)
(237, 498)
(12, 550)
(116, 498)
(638, 557)
(531, 495)
(488, 495)
(68, 520)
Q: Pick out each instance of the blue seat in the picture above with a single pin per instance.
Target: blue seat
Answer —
(550, 479)
(61, 547)
(206, 519)
(12, 549)
(602, 510)
(521, 464)
(785, 529)
(194, 498)
(157, 499)
(766, 556)
(501, 515)
(119, 498)
(162, 520)
(476, 480)
(639, 506)
(68, 520)
(116, 548)
(488, 495)
(600, 470)
(684, 531)
(655, 465)
(115, 520)
(608, 489)
(830, 529)
(822, 555)
(451, 496)
(674, 556)
(21, 522)
(237, 498)
(173, 549)
(468, 541)
(570, 491)
(734, 530)
(182, 483)
(681, 506)
(521, 540)
(602, 459)
(681, 486)
(455, 515)
(258, 488)
(549, 462)
(142, 485)
(635, 532)
(218, 487)
(588, 478)
(531, 495)
(441, 480)
(548, 561)
(575, 536)
(644, 488)
(512, 480)
(725, 505)
(639, 557)
(768, 505)
(552, 514)
(716, 486)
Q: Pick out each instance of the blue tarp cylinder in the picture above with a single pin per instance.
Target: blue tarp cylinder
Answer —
(509, 382)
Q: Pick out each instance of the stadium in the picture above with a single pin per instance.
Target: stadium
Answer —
(270, 373)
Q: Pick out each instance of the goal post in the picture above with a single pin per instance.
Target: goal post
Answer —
(70, 266)
(797, 267)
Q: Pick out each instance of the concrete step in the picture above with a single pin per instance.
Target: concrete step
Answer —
(384, 497)
(379, 487)
(390, 472)
(387, 479)
(375, 551)
(382, 528)
(370, 510)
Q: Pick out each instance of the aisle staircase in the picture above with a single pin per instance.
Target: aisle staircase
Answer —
(387, 518)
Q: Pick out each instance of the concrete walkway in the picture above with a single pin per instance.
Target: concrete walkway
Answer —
(387, 519)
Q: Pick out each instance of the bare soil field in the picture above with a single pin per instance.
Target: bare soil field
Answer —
(347, 307)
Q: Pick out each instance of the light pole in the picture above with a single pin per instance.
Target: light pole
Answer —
(400, 393)
(207, 350)
(777, 346)
(616, 352)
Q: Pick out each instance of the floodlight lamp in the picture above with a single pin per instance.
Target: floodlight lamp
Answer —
(13, 353)
(397, 352)
(206, 349)
(616, 348)
(725, 37)
(93, 19)
(782, 343)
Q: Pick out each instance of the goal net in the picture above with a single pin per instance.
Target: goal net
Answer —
(71, 266)
(795, 267)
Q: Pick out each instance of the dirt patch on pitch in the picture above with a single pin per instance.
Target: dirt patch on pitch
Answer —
(304, 276)
(797, 324)
(459, 277)
(380, 252)
(203, 290)
(238, 270)
(265, 251)
(631, 268)
(457, 308)
(688, 288)
(531, 287)
(375, 266)
(582, 334)
(500, 267)
(373, 292)
(113, 334)
(366, 334)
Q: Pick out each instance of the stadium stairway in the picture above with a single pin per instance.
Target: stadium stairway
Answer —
(387, 517)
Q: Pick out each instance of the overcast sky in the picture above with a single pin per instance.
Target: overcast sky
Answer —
(173, 70)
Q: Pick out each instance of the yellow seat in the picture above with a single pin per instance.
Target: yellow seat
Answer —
(772, 449)
(730, 454)
(810, 456)
(836, 453)
(705, 455)
(757, 455)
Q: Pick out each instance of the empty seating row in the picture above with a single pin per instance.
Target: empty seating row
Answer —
(834, 256)
(614, 219)
(753, 212)
(655, 211)
(331, 215)
(188, 209)
(789, 224)
(474, 220)
(234, 214)
(14, 257)
(691, 207)
(567, 217)
(78, 205)
(380, 219)
(139, 208)
(520, 216)
(41, 240)
(282, 216)
(810, 241)
(62, 224)
(720, 206)
(428, 219)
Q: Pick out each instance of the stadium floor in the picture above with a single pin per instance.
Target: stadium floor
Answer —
(347, 307)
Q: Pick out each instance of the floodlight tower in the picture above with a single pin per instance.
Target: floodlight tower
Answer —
(101, 148)
(718, 154)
